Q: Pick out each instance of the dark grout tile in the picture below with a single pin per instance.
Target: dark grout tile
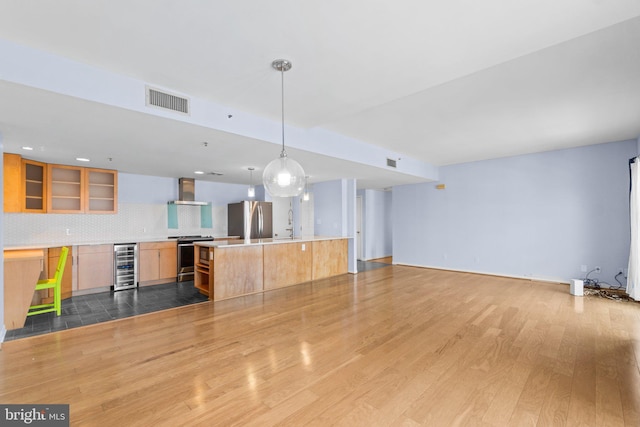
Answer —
(38, 319)
(95, 308)
(44, 327)
(73, 323)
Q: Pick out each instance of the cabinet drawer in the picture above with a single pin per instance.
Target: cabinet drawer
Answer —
(94, 249)
(157, 245)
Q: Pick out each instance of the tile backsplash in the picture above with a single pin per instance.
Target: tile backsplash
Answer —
(132, 222)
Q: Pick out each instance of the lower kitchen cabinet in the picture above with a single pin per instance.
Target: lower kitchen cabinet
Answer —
(157, 262)
(95, 266)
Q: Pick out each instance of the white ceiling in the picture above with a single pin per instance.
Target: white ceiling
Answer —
(442, 82)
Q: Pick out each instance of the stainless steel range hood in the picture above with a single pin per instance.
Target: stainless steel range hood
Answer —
(186, 193)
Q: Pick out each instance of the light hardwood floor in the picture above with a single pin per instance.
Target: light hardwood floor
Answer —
(393, 346)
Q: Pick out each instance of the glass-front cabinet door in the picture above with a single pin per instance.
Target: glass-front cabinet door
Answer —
(34, 181)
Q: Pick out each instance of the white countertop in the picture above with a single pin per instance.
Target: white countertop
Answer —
(89, 243)
(242, 242)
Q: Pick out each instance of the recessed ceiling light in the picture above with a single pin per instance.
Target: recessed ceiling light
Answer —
(27, 148)
(198, 172)
(82, 159)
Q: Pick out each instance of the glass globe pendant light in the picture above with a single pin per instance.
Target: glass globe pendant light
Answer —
(251, 191)
(283, 177)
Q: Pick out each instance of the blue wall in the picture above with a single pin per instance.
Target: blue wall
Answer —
(328, 207)
(154, 189)
(376, 224)
(540, 215)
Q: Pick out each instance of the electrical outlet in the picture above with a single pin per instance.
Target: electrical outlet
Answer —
(597, 269)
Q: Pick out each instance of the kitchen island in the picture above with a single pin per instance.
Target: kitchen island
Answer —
(232, 268)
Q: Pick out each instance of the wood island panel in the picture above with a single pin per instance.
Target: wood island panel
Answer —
(237, 271)
(21, 272)
(287, 264)
(329, 258)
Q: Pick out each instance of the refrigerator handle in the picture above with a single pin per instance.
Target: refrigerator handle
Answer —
(260, 221)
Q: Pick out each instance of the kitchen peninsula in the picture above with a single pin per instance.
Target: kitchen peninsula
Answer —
(232, 268)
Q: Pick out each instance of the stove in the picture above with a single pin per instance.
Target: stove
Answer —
(191, 239)
(186, 255)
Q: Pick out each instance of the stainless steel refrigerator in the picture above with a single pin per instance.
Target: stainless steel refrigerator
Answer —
(250, 215)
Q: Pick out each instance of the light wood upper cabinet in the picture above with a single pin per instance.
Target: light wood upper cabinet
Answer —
(37, 187)
(34, 186)
(101, 191)
(12, 182)
(24, 184)
(65, 189)
(73, 189)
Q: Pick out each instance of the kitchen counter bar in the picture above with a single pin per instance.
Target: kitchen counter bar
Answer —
(94, 242)
(245, 242)
(21, 272)
(227, 269)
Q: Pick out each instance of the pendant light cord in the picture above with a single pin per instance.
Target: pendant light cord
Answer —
(283, 153)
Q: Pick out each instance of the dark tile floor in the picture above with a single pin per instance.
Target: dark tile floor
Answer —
(370, 265)
(95, 308)
(89, 309)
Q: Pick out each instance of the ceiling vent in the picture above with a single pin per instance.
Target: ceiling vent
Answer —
(157, 98)
(391, 163)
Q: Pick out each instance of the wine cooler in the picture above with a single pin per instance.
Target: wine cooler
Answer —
(125, 266)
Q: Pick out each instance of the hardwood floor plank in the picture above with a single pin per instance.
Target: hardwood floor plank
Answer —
(555, 407)
(391, 346)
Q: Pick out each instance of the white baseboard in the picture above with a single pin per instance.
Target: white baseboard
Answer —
(3, 333)
(487, 273)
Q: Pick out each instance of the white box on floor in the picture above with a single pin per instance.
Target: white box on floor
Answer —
(576, 287)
